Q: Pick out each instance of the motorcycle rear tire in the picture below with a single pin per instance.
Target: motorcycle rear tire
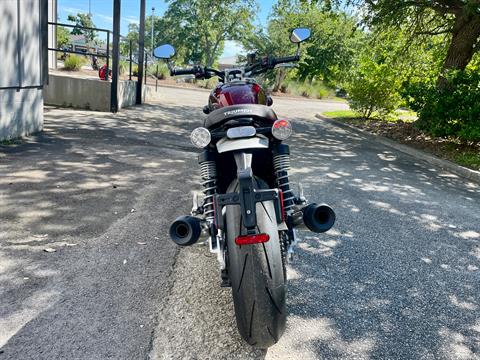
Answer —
(257, 276)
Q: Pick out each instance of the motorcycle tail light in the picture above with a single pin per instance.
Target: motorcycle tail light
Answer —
(252, 239)
(282, 129)
(200, 137)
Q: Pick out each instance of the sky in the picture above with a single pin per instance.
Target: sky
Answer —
(102, 11)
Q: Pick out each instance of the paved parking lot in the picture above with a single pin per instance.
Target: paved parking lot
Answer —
(87, 270)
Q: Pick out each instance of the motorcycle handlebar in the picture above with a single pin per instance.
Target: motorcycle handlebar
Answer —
(270, 62)
(192, 71)
(198, 71)
(286, 59)
(267, 63)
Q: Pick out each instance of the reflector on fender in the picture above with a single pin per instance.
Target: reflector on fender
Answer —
(251, 239)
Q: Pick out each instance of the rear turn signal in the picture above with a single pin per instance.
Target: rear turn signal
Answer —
(200, 137)
(252, 239)
(282, 129)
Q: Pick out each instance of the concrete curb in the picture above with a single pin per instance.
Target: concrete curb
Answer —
(464, 172)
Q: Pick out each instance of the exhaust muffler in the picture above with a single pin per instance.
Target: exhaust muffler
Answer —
(185, 230)
(317, 218)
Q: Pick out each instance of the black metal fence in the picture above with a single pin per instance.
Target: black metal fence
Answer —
(140, 58)
(132, 58)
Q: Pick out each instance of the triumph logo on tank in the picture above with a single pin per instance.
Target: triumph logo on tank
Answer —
(238, 111)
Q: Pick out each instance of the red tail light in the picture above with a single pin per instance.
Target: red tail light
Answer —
(252, 239)
(280, 123)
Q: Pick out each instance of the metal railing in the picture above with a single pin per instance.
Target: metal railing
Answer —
(105, 55)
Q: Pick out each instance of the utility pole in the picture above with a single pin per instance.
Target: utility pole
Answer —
(90, 8)
(141, 50)
(115, 56)
(153, 25)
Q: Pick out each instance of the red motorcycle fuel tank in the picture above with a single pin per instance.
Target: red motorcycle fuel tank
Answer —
(237, 92)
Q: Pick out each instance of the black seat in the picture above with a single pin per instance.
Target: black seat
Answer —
(220, 116)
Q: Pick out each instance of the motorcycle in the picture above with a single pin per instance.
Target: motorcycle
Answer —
(249, 213)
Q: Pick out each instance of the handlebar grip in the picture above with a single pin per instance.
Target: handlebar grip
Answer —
(286, 59)
(175, 72)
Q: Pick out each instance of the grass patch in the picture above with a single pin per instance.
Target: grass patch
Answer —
(401, 128)
(343, 114)
(405, 115)
(10, 142)
(316, 90)
(74, 62)
(355, 117)
(470, 159)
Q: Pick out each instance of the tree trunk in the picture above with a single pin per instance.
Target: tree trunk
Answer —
(279, 78)
(466, 32)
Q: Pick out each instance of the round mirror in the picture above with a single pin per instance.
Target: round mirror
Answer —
(299, 35)
(165, 51)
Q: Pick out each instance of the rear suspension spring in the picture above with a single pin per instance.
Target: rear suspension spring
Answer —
(208, 172)
(281, 164)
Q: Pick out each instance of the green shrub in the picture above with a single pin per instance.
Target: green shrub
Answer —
(373, 87)
(74, 62)
(452, 111)
(163, 71)
(315, 90)
(123, 67)
(208, 84)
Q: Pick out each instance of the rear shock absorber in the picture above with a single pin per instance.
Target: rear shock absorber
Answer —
(281, 164)
(208, 172)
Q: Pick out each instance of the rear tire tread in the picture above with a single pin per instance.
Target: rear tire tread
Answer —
(251, 319)
(272, 300)
(257, 275)
(243, 272)
(273, 337)
(268, 262)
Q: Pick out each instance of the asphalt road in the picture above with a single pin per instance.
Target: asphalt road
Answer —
(397, 278)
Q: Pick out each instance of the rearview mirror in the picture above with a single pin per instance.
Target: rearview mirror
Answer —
(299, 34)
(165, 51)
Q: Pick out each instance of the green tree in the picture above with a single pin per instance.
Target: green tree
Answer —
(83, 20)
(63, 36)
(386, 64)
(275, 42)
(132, 36)
(460, 19)
(335, 40)
(198, 28)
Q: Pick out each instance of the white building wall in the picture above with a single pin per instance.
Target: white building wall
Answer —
(21, 108)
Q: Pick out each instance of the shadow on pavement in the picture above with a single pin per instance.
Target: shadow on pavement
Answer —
(98, 190)
(398, 276)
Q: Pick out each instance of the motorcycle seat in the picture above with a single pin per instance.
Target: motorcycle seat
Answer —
(222, 115)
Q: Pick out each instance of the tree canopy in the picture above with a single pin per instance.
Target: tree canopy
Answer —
(459, 19)
(83, 20)
(199, 28)
(383, 54)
